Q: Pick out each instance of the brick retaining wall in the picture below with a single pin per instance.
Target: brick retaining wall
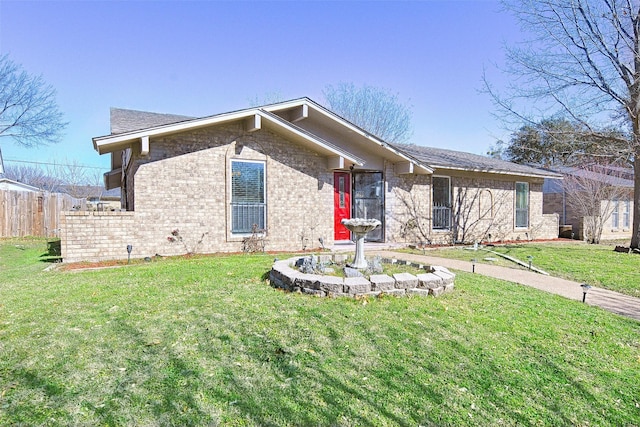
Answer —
(97, 236)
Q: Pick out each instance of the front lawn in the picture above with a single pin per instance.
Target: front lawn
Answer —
(597, 265)
(206, 341)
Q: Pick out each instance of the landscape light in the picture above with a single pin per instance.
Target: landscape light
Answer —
(585, 289)
(473, 265)
(530, 258)
(129, 249)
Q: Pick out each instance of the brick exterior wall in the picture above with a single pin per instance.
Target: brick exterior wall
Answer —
(483, 205)
(184, 184)
(555, 203)
(97, 236)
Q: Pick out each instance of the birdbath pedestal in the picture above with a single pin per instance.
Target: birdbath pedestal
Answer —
(360, 227)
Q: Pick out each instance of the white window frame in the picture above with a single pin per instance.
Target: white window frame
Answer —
(515, 205)
(264, 197)
(626, 214)
(449, 207)
(615, 215)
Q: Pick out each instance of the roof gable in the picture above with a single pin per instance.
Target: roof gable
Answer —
(273, 115)
(130, 126)
(330, 120)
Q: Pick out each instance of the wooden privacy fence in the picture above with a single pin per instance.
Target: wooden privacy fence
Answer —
(26, 213)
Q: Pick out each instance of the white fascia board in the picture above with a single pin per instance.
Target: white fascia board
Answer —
(309, 137)
(102, 143)
(496, 172)
(6, 182)
(105, 144)
(144, 145)
(329, 114)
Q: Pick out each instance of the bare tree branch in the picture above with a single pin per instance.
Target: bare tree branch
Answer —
(28, 110)
(375, 110)
(593, 191)
(581, 61)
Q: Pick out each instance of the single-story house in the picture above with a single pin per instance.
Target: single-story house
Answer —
(288, 173)
(11, 185)
(608, 188)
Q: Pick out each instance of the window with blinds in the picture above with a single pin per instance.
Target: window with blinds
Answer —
(248, 207)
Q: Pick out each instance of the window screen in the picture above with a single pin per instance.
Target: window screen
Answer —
(248, 206)
(441, 203)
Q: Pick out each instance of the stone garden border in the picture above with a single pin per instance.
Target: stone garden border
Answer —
(435, 281)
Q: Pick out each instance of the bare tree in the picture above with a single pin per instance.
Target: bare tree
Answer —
(75, 179)
(415, 221)
(593, 192)
(265, 99)
(66, 177)
(32, 175)
(28, 110)
(477, 214)
(581, 62)
(375, 110)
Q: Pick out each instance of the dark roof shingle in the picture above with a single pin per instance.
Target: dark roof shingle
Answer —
(123, 120)
(440, 158)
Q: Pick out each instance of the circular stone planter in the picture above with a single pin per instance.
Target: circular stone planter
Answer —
(434, 281)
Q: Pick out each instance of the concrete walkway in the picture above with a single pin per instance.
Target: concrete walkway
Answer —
(608, 300)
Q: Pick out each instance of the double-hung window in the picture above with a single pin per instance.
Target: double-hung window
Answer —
(441, 203)
(248, 207)
(615, 214)
(626, 214)
(522, 204)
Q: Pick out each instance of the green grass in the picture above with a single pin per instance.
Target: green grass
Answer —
(205, 341)
(597, 265)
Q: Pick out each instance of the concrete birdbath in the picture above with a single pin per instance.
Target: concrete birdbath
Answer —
(360, 227)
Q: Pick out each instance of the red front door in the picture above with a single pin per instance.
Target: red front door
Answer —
(341, 204)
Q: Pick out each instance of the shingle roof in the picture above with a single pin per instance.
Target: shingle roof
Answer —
(440, 158)
(123, 120)
(126, 124)
(617, 177)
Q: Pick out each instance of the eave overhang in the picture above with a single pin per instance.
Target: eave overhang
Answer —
(541, 175)
(253, 119)
(400, 158)
(112, 179)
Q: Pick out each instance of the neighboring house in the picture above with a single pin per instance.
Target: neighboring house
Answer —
(11, 185)
(26, 210)
(97, 197)
(290, 172)
(108, 200)
(616, 212)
